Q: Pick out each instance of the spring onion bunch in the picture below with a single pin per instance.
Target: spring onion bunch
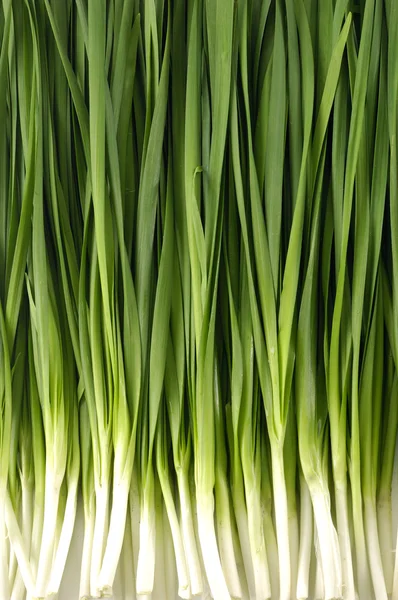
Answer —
(198, 298)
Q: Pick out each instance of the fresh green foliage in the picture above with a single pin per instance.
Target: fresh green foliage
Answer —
(199, 297)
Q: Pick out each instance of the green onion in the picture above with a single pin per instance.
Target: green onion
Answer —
(198, 298)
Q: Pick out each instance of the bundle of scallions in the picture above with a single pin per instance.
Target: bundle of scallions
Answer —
(199, 298)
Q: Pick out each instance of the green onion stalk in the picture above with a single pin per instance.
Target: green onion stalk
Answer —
(45, 339)
(177, 385)
(371, 388)
(171, 526)
(67, 518)
(126, 562)
(371, 393)
(205, 136)
(23, 506)
(312, 419)
(126, 407)
(153, 320)
(38, 454)
(135, 513)
(58, 410)
(17, 172)
(156, 416)
(305, 546)
(88, 492)
(387, 453)
(92, 349)
(309, 378)
(237, 161)
(263, 462)
(392, 95)
(102, 375)
(290, 457)
(125, 336)
(360, 266)
(124, 449)
(378, 463)
(266, 251)
(222, 498)
(246, 480)
(102, 396)
(389, 421)
(175, 391)
(6, 400)
(336, 380)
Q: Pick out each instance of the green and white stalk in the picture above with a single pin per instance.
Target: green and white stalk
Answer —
(222, 498)
(27, 493)
(206, 147)
(371, 394)
(384, 500)
(188, 531)
(290, 457)
(135, 512)
(160, 582)
(171, 575)
(5, 440)
(153, 331)
(392, 96)
(88, 494)
(18, 546)
(175, 394)
(336, 380)
(184, 589)
(68, 518)
(157, 364)
(127, 560)
(306, 537)
(39, 467)
(267, 502)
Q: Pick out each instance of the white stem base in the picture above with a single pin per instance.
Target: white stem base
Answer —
(12, 564)
(225, 541)
(89, 522)
(18, 589)
(65, 538)
(272, 553)
(4, 580)
(49, 526)
(306, 536)
(184, 586)
(135, 513)
(147, 549)
(257, 545)
(127, 572)
(384, 523)
(372, 540)
(328, 547)
(115, 538)
(188, 535)
(18, 547)
(159, 584)
(394, 595)
(319, 593)
(100, 534)
(282, 522)
(343, 530)
(169, 559)
(244, 539)
(294, 545)
(208, 542)
(362, 565)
